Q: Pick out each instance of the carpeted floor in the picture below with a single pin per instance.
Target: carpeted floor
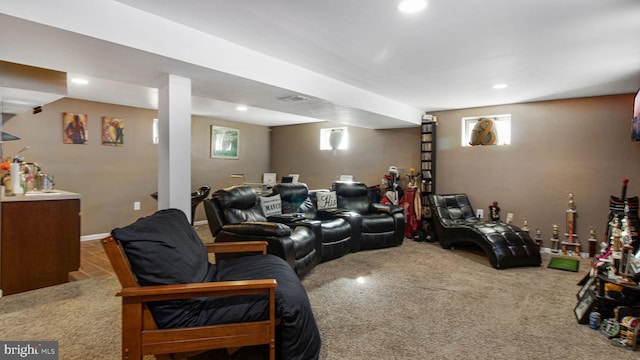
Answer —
(83, 316)
(419, 301)
(416, 301)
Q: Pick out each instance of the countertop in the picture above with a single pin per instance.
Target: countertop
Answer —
(39, 196)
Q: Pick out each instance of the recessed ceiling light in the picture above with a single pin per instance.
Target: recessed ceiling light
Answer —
(500, 86)
(411, 6)
(242, 108)
(80, 81)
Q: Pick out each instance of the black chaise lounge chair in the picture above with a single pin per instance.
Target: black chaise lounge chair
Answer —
(505, 245)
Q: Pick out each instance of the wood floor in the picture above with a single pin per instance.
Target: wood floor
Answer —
(93, 261)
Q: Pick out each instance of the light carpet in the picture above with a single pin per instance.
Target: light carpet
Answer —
(416, 301)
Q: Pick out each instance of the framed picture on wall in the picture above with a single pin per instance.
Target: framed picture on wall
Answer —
(112, 131)
(74, 128)
(224, 142)
(635, 123)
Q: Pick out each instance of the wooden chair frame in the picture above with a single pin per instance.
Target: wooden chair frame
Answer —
(140, 334)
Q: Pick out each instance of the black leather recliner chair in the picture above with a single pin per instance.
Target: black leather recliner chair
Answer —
(336, 231)
(382, 225)
(196, 198)
(505, 245)
(234, 215)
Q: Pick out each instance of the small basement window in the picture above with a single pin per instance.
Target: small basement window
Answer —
(500, 125)
(334, 138)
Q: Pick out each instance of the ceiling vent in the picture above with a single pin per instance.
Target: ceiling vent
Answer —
(294, 98)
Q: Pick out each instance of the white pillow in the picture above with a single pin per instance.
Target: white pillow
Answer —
(327, 200)
(271, 205)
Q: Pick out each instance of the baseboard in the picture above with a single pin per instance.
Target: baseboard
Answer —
(104, 235)
(546, 250)
(94, 237)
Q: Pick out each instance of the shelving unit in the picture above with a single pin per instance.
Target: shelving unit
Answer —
(427, 170)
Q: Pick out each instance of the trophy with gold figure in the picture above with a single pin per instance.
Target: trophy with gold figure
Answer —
(571, 246)
(592, 242)
(615, 241)
(554, 239)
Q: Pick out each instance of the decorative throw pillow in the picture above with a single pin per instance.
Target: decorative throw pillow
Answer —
(327, 200)
(271, 205)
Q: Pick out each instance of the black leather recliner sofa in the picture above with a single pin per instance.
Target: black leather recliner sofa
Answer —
(505, 245)
(336, 229)
(234, 215)
(382, 225)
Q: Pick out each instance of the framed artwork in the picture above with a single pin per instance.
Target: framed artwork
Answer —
(589, 285)
(634, 262)
(269, 179)
(224, 142)
(635, 123)
(584, 306)
(112, 131)
(74, 128)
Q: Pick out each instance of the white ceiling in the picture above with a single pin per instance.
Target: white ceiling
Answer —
(359, 62)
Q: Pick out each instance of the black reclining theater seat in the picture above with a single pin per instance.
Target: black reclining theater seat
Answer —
(234, 215)
(336, 230)
(382, 225)
(504, 244)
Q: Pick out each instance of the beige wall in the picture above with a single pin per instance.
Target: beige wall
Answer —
(111, 178)
(577, 145)
(581, 146)
(296, 150)
(254, 153)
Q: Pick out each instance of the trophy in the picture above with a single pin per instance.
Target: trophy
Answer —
(615, 235)
(494, 211)
(538, 239)
(571, 246)
(592, 242)
(615, 239)
(554, 239)
(626, 241)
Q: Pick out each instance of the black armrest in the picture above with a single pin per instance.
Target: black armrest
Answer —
(286, 218)
(311, 224)
(385, 208)
(259, 228)
(327, 214)
(336, 213)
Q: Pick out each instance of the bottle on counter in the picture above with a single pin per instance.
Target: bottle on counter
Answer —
(39, 180)
(30, 182)
(15, 177)
(23, 183)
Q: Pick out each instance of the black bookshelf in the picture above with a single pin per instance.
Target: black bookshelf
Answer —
(427, 172)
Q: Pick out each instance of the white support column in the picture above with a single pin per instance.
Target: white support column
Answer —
(174, 149)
